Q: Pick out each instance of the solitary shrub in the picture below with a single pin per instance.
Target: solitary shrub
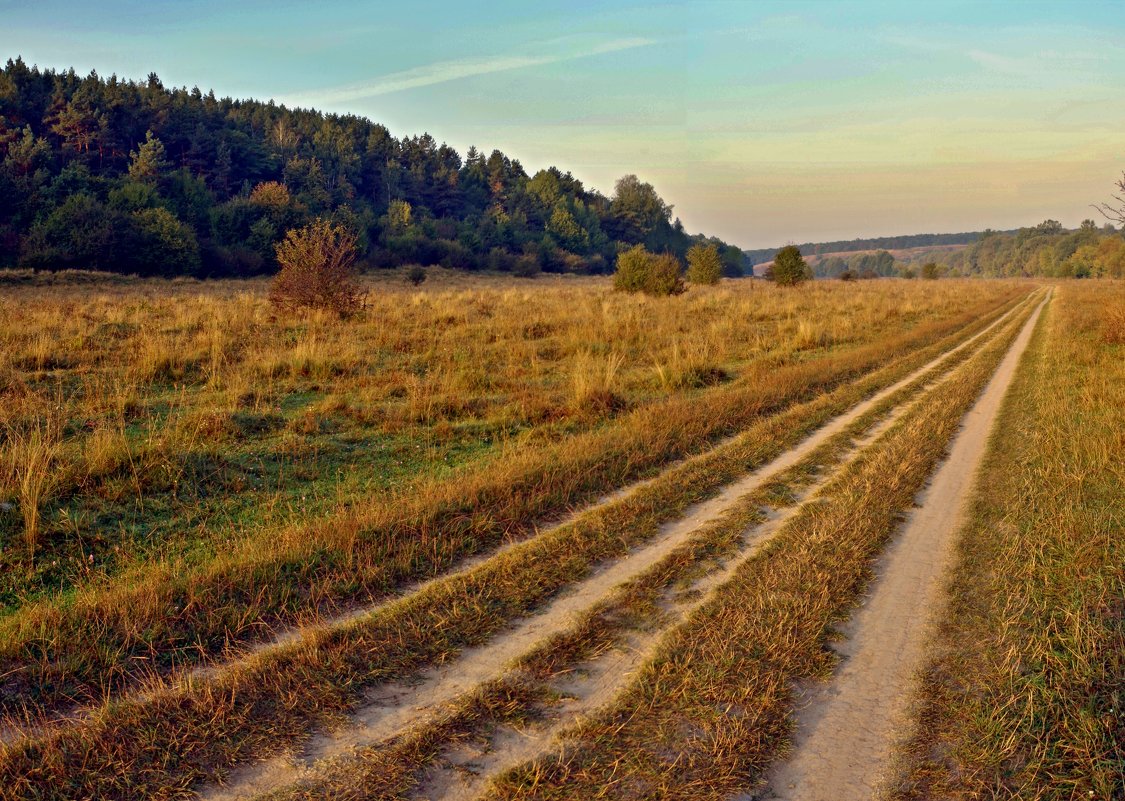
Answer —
(318, 270)
(847, 275)
(595, 378)
(789, 267)
(641, 271)
(704, 264)
(907, 272)
(930, 270)
(416, 274)
(525, 266)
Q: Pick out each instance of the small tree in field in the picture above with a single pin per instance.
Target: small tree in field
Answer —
(318, 270)
(641, 271)
(704, 264)
(930, 271)
(789, 267)
(416, 274)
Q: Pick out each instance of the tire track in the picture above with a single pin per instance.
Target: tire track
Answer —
(396, 707)
(847, 728)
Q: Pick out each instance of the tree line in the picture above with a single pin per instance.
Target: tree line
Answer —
(761, 255)
(1046, 250)
(136, 177)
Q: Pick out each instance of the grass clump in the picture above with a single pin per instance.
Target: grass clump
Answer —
(30, 457)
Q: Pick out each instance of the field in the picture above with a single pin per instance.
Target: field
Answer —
(537, 539)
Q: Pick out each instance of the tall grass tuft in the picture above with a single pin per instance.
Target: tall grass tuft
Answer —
(31, 455)
(594, 379)
(1113, 324)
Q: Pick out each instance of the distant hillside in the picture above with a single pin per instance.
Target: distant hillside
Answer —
(1046, 249)
(892, 243)
(136, 177)
(882, 260)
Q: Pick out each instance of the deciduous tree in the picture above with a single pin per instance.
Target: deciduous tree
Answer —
(704, 264)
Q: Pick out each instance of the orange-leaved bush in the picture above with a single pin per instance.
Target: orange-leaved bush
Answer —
(318, 270)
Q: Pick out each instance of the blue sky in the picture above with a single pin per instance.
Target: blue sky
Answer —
(762, 122)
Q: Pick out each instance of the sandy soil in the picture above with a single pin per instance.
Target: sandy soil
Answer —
(848, 727)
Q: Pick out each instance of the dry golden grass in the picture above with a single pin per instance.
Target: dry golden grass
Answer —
(1025, 695)
(705, 717)
(564, 389)
(555, 391)
(394, 769)
(29, 457)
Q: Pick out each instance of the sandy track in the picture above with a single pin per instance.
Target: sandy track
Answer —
(465, 772)
(392, 708)
(848, 727)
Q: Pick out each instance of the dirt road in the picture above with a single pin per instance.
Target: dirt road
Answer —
(848, 727)
(393, 709)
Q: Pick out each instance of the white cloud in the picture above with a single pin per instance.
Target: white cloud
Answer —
(442, 71)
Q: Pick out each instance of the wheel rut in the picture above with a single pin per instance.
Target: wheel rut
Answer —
(393, 708)
(847, 728)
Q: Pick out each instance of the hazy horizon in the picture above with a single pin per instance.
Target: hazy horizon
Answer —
(762, 124)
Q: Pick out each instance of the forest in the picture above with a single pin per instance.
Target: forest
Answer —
(874, 243)
(136, 177)
(1047, 250)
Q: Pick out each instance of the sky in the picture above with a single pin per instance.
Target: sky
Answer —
(761, 122)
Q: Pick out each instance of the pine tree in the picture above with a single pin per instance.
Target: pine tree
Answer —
(789, 267)
(148, 160)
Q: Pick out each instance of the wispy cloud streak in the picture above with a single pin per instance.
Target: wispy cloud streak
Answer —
(443, 71)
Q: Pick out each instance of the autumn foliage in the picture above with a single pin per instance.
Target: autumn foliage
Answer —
(318, 270)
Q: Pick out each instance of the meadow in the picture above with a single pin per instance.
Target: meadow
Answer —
(225, 528)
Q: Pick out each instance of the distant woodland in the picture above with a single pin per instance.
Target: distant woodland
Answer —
(875, 243)
(135, 177)
(1046, 249)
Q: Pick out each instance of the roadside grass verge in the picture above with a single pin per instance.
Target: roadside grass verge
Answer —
(706, 716)
(160, 745)
(1025, 693)
(164, 617)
